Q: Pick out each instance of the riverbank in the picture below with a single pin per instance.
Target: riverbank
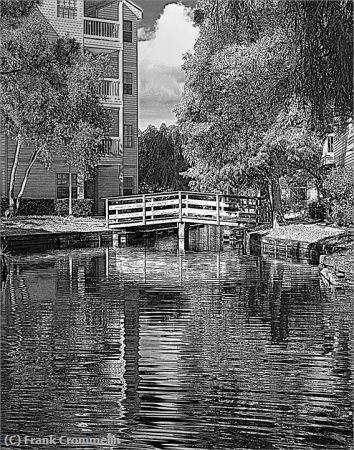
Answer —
(50, 224)
(330, 247)
(39, 233)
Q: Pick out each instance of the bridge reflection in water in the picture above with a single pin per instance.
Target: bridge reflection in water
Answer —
(201, 350)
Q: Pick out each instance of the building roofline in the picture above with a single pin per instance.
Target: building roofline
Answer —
(134, 8)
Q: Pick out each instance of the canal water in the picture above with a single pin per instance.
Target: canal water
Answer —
(201, 350)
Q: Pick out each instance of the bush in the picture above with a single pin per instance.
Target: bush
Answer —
(339, 191)
(316, 210)
(4, 205)
(31, 207)
(81, 207)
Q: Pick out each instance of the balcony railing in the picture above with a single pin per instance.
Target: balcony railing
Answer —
(327, 160)
(101, 29)
(109, 90)
(113, 146)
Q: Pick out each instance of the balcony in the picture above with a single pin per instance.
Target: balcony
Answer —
(113, 146)
(109, 91)
(101, 29)
(327, 160)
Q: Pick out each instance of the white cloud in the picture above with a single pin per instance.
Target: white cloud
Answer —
(160, 61)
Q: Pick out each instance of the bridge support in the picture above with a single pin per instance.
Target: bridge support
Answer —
(183, 236)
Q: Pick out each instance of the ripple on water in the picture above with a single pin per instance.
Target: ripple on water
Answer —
(211, 350)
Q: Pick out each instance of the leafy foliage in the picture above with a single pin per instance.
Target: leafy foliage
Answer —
(339, 187)
(316, 210)
(323, 79)
(230, 101)
(13, 10)
(49, 100)
(161, 162)
(246, 111)
(321, 32)
(80, 207)
(31, 206)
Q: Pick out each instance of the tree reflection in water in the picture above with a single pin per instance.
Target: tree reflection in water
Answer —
(201, 350)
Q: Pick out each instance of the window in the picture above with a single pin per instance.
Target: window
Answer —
(67, 9)
(128, 186)
(128, 83)
(63, 185)
(330, 143)
(128, 136)
(127, 31)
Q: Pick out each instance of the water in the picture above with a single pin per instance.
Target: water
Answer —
(206, 350)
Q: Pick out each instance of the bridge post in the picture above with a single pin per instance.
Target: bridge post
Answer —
(183, 236)
(218, 209)
(258, 210)
(144, 209)
(180, 205)
(107, 213)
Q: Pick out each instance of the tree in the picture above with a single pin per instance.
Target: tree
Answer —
(232, 97)
(339, 187)
(51, 103)
(247, 75)
(323, 79)
(161, 162)
(322, 33)
(11, 11)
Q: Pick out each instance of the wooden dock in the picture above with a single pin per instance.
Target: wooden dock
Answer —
(182, 207)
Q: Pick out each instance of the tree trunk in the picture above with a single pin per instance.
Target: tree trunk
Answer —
(70, 193)
(12, 204)
(25, 178)
(277, 208)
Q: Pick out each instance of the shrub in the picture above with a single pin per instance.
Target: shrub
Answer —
(4, 205)
(339, 191)
(316, 210)
(31, 207)
(81, 207)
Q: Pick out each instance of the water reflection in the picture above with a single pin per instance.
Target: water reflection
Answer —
(201, 350)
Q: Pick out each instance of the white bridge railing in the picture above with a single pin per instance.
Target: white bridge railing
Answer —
(182, 206)
(101, 29)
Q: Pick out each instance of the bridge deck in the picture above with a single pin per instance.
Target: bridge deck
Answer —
(188, 207)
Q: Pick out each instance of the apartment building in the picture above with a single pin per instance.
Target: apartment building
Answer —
(104, 27)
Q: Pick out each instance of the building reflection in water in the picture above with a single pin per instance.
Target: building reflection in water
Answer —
(205, 350)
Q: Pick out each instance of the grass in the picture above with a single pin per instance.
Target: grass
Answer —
(306, 232)
(50, 224)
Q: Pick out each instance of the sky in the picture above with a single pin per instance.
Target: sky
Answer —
(165, 34)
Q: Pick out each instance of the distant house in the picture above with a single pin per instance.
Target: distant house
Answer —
(337, 151)
(105, 27)
(327, 151)
(338, 148)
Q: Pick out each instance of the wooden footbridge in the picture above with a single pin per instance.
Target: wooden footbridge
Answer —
(183, 207)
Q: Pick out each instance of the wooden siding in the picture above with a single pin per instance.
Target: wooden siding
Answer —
(349, 156)
(3, 166)
(109, 12)
(50, 31)
(72, 27)
(339, 147)
(107, 184)
(114, 113)
(130, 102)
(343, 146)
(41, 182)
